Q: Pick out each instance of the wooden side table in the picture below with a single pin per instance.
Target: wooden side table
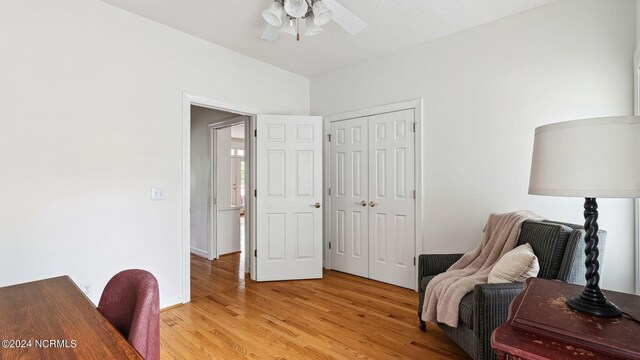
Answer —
(541, 326)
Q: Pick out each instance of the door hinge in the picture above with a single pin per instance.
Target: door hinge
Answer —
(414, 194)
(414, 127)
(414, 261)
(255, 133)
(329, 191)
(329, 245)
(255, 193)
(329, 136)
(255, 254)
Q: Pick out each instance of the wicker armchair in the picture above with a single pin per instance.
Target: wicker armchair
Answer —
(560, 251)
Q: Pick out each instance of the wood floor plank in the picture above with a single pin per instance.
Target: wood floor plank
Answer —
(339, 317)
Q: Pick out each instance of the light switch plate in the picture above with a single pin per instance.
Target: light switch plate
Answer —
(158, 194)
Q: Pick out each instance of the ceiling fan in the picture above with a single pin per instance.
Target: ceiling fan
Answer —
(287, 16)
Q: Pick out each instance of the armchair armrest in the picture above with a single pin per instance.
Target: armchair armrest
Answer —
(434, 264)
(491, 307)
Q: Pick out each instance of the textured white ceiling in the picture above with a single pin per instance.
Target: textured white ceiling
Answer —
(393, 25)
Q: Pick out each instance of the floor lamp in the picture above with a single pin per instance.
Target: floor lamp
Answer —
(589, 158)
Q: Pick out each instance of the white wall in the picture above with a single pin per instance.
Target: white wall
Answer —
(200, 174)
(237, 143)
(228, 231)
(637, 111)
(485, 90)
(90, 119)
(637, 21)
(237, 131)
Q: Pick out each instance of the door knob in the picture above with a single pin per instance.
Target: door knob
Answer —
(362, 203)
(316, 205)
(372, 203)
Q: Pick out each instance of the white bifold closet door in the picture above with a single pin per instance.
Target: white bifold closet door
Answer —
(372, 197)
(350, 197)
(391, 199)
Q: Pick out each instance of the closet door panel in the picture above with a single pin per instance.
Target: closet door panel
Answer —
(391, 202)
(349, 191)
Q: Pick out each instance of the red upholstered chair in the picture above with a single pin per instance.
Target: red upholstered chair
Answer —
(130, 302)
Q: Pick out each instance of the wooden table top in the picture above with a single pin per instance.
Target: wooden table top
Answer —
(53, 319)
(555, 331)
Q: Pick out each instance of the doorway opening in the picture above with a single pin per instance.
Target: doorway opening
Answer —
(219, 181)
(285, 211)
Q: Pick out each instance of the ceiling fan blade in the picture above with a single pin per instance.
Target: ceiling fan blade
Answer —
(270, 33)
(345, 18)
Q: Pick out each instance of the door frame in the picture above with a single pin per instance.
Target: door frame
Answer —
(417, 106)
(636, 215)
(187, 101)
(212, 223)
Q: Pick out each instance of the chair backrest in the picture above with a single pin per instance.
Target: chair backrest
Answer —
(130, 302)
(560, 249)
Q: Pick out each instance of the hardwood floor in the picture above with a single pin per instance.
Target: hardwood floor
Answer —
(339, 317)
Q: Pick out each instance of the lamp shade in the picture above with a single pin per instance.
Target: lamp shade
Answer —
(322, 14)
(590, 158)
(273, 14)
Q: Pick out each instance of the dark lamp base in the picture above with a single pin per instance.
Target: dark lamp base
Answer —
(592, 301)
(600, 307)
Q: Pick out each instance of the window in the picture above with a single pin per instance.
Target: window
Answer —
(237, 152)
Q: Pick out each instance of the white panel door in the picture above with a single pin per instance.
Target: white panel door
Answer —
(349, 197)
(289, 192)
(391, 199)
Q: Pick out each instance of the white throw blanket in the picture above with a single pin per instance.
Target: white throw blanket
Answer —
(444, 292)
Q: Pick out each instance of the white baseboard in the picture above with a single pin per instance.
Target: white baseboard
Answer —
(200, 253)
(165, 303)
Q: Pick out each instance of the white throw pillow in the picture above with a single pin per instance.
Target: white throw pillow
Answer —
(517, 265)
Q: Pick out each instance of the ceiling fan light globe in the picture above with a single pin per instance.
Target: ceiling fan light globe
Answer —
(316, 31)
(296, 8)
(312, 28)
(273, 14)
(270, 34)
(322, 14)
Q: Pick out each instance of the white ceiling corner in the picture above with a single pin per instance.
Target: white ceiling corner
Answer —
(393, 25)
